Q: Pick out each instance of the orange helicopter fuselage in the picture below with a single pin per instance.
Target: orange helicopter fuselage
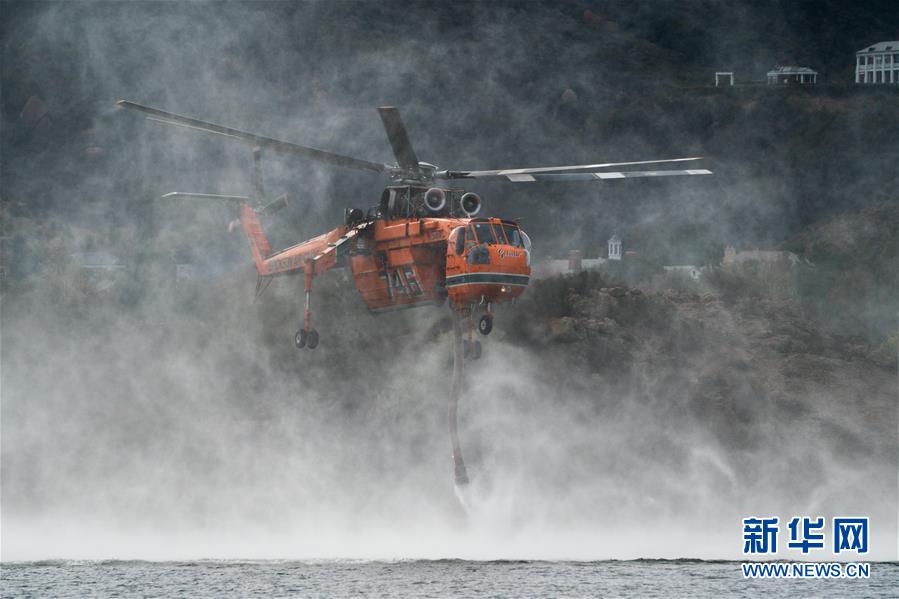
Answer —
(409, 262)
(415, 262)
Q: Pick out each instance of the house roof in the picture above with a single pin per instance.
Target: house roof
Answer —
(880, 47)
(791, 70)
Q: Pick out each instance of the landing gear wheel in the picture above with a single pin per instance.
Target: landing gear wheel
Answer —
(300, 339)
(466, 348)
(476, 350)
(312, 339)
(485, 324)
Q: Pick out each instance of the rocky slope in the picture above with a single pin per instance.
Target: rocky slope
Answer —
(739, 367)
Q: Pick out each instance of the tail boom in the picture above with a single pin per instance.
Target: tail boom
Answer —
(259, 245)
(315, 255)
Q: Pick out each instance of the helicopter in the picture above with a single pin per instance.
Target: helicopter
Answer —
(424, 243)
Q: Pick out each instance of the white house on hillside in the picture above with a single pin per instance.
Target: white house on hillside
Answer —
(792, 75)
(878, 63)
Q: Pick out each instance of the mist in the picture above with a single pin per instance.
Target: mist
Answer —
(170, 421)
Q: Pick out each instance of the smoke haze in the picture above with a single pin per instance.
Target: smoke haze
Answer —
(166, 421)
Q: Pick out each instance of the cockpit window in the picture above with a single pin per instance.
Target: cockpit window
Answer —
(513, 236)
(457, 240)
(485, 233)
(470, 240)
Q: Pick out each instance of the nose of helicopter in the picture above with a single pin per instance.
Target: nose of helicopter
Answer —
(494, 273)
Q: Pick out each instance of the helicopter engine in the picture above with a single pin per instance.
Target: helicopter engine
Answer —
(470, 204)
(435, 199)
(353, 216)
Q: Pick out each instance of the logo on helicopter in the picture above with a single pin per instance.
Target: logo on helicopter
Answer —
(504, 253)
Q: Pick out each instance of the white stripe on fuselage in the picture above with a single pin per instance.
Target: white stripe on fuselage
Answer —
(499, 274)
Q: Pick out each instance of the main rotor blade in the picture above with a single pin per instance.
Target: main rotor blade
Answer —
(565, 177)
(277, 145)
(180, 195)
(551, 169)
(399, 138)
(258, 188)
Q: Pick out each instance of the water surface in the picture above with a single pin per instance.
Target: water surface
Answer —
(417, 578)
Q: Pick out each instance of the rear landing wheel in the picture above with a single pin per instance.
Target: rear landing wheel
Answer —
(475, 350)
(485, 324)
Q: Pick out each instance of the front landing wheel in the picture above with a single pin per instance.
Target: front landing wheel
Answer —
(300, 339)
(485, 324)
(312, 339)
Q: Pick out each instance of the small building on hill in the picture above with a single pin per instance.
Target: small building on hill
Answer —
(575, 263)
(724, 78)
(615, 247)
(769, 257)
(878, 63)
(792, 75)
(687, 270)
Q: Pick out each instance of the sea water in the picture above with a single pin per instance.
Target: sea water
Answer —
(418, 578)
